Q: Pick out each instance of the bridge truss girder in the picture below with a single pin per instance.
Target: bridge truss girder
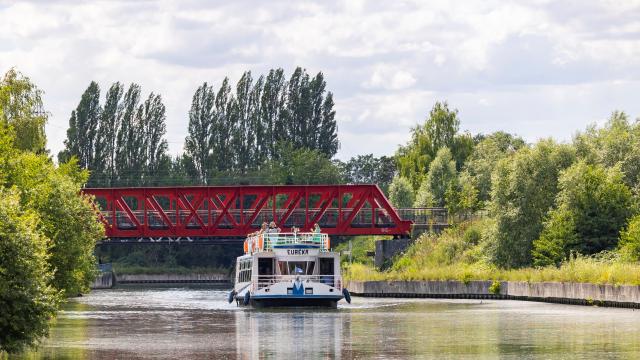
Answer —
(199, 212)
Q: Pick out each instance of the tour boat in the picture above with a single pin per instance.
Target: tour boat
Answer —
(288, 269)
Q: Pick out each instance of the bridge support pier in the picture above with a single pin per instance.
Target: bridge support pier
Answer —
(387, 249)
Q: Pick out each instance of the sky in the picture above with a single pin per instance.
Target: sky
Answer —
(534, 68)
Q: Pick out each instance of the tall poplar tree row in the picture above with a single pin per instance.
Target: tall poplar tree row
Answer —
(245, 130)
(122, 142)
(234, 131)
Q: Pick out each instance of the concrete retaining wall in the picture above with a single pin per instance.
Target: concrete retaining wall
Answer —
(103, 281)
(171, 278)
(566, 293)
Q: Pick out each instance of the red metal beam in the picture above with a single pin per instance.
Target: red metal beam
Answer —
(234, 211)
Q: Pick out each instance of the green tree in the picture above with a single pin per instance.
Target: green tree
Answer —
(523, 189)
(23, 111)
(65, 217)
(617, 143)
(401, 192)
(486, 155)
(629, 245)
(128, 171)
(441, 176)
(271, 108)
(107, 136)
(438, 131)
(303, 166)
(461, 196)
(591, 208)
(201, 123)
(83, 128)
(223, 127)
(308, 115)
(151, 122)
(367, 169)
(27, 299)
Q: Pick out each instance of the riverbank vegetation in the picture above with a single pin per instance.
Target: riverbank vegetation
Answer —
(554, 211)
(47, 229)
(459, 253)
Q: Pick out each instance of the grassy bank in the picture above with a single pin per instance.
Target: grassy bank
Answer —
(462, 254)
(577, 270)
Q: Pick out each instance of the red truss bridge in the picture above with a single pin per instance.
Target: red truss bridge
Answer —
(229, 213)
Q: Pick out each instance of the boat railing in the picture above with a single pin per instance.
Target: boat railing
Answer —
(262, 281)
(268, 241)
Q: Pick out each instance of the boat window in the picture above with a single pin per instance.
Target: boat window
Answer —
(296, 267)
(244, 271)
(265, 266)
(326, 266)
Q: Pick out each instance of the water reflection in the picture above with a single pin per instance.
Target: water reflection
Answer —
(273, 334)
(198, 323)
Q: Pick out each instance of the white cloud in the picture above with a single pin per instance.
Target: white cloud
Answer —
(540, 69)
(389, 78)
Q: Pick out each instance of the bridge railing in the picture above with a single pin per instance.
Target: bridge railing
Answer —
(269, 240)
(425, 216)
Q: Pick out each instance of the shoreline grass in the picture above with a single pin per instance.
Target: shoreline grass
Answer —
(578, 270)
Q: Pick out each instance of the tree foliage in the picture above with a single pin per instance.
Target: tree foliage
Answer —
(441, 177)
(122, 142)
(23, 111)
(440, 130)
(593, 204)
(303, 166)
(524, 187)
(47, 232)
(401, 192)
(27, 299)
(617, 143)
(241, 132)
(367, 169)
(630, 240)
(486, 155)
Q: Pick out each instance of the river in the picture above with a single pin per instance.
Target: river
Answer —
(198, 323)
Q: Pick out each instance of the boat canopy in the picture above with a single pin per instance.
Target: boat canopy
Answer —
(267, 241)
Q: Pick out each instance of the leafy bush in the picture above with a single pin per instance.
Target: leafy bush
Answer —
(630, 240)
(495, 287)
(27, 299)
(401, 193)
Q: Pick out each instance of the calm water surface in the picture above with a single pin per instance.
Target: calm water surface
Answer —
(198, 323)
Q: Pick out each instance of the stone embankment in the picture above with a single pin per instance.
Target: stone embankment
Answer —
(104, 280)
(107, 280)
(565, 293)
(171, 278)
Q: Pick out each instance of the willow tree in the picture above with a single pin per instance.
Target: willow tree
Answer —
(23, 111)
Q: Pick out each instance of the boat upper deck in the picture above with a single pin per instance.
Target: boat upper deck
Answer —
(267, 241)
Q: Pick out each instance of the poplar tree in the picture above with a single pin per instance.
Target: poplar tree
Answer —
(109, 128)
(151, 152)
(271, 108)
(83, 126)
(222, 128)
(202, 121)
(243, 134)
(127, 136)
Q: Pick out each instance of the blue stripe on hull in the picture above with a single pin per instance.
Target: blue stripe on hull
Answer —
(327, 297)
(325, 301)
